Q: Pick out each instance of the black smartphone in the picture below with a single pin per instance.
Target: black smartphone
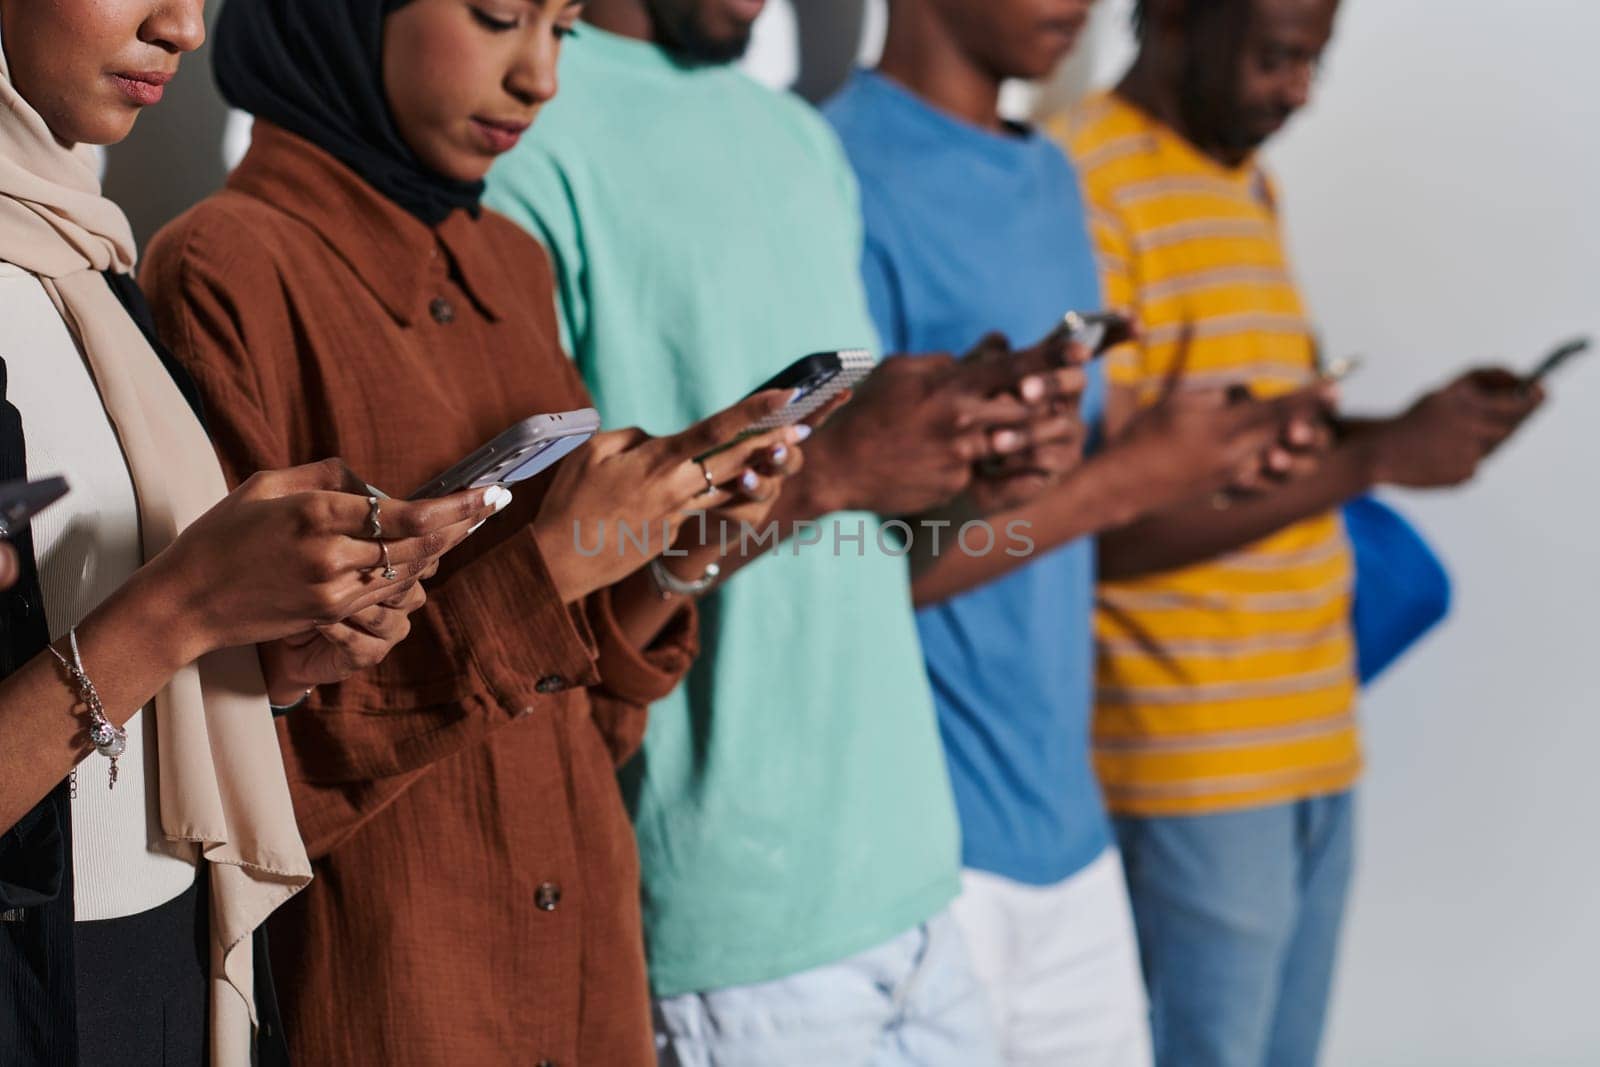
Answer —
(21, 501)
(815, 380)
(1099, 331)
(1556, 360)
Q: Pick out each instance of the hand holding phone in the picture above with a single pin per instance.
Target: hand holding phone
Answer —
(524, 451)
(1098, 331)
(815, 381)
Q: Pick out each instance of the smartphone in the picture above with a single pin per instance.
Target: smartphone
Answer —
(816, 380)
(527, 449)
(21, 501)
(1340, 369)
(1099, 331)
(1557, 359)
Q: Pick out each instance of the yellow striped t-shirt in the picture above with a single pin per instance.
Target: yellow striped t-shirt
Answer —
(1233, 683)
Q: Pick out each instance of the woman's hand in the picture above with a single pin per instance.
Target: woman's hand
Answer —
(619, 502)
(332, 653)
(292, 551)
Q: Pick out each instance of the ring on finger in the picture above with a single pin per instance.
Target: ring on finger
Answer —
(711, 481)
(374, 522)
(389, 573)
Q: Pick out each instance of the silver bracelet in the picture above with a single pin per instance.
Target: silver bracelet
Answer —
(670, 585)
(110, 740)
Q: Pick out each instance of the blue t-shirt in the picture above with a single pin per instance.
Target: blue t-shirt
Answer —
(970, 231)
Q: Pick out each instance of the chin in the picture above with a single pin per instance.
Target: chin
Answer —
(463, 167)
(105, 127)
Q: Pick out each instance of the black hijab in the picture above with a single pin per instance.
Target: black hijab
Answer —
(315, 68)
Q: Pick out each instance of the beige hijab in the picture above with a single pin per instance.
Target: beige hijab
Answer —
(221, 774)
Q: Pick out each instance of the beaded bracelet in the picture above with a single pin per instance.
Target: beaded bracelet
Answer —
(110, 740)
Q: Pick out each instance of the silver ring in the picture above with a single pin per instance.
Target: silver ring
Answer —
(374, 525)
(389, 573)
(711, 482)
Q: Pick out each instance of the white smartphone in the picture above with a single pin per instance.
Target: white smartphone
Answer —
(527, 449)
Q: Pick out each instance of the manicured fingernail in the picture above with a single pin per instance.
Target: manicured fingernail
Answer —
(801, 432)
(780, 454)
(503, 500)
(478, 526)
(490, 495)
(1032, 389)
(1006, 440)
(749, 482)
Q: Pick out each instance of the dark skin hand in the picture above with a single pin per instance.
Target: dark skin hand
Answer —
(909, 439)
(313, 570)
(1440, 442)
(1195, 442)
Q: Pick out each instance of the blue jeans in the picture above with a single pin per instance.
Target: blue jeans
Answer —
(1238, 917)
(913, 1002)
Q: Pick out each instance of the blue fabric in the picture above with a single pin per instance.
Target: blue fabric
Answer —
(1238, 917)
(970, 231)
(914, 1001)
(1402, 588)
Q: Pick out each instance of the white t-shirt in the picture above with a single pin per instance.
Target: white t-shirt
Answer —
(87, 545)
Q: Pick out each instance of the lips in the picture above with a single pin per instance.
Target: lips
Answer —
(499, 135)
(143, 87)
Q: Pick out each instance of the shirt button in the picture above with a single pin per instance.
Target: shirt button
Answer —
(547, 897)
(551, 683)
(442, 311)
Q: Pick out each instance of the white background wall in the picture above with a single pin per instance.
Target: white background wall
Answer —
(1443, 196)
(1444, 200)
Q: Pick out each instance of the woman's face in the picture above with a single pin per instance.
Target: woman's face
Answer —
(465, 78)
(89, 67)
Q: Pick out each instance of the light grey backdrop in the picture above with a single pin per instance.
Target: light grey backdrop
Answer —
(1440, 196)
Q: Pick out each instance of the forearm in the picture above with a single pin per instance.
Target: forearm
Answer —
(1101, 493)
(131, 645)
(1198, 530)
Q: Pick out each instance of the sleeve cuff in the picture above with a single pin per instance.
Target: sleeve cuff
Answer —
(641, 676)
(504, 609)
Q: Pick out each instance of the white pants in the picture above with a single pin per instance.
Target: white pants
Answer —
(1061, 965)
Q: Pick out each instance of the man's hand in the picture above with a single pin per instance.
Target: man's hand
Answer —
(1056, 376)
(910, 438)
(1445, 436)
(1199, 442)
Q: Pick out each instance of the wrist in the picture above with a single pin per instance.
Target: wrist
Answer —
(564, 567)
(173, 610)
(823, 487)
(1132, 482)
(1372, 447)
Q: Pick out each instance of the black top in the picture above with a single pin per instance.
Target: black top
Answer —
(38, 992)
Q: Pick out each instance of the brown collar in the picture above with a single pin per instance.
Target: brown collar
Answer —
(390, 250)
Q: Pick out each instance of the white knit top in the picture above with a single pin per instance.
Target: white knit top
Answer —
(87, 545)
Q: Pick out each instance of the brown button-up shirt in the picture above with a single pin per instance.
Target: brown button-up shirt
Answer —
(476, 892)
